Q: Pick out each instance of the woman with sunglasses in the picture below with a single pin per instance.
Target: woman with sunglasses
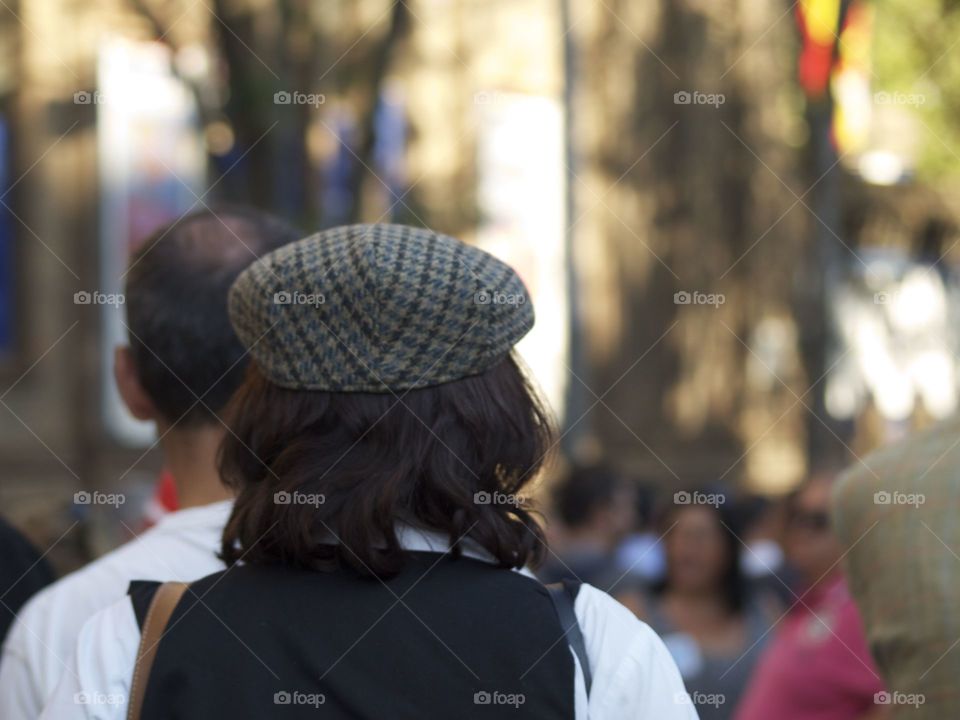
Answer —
(818, 665)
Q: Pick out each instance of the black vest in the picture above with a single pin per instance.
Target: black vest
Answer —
(465, 640)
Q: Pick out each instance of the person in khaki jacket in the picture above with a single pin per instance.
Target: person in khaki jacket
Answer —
(898, 513)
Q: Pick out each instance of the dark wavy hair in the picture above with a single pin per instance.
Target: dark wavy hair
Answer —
(733, 583)
(452, 458)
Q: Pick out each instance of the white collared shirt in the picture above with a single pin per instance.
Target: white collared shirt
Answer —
(183, 545)
(633, 674)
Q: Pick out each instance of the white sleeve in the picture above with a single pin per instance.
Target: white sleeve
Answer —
(19, 694)
(97, 684)
(634, 675)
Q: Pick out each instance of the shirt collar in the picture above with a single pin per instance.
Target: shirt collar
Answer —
(419, 540)
(411, 538)
(213, 515)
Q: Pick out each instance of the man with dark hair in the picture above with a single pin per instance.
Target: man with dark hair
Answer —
(181, 367)
(183, 352)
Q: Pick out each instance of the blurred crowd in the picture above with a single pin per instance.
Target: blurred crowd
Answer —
(303, 499)
(748, 593)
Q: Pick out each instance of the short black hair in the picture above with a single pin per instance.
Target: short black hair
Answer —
(583, 490)
(183, 345)
(453, 458)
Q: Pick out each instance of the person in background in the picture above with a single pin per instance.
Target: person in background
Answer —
(817, 666)
(703, 608)
(23, 572)
(595, 507)
(380, 543)
(897, 512)
(761, 535)
(640, 556)
(180, 369)
(763, 561)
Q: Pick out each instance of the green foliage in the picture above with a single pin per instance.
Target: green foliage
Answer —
(916, 51)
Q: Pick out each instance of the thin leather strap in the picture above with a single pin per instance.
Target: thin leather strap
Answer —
(563, 595)
(161, 608)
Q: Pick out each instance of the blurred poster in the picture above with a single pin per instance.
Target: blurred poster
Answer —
(521, 204)
(7, 330)
(152, 167)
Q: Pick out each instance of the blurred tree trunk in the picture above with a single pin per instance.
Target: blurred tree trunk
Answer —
(339, 50)
(268, 160)
(366, 136)
(695, 198)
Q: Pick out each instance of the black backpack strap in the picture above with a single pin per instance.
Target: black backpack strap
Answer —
(141, 594)
(564, 594)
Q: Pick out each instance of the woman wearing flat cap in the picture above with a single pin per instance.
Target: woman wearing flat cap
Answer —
(378, 552)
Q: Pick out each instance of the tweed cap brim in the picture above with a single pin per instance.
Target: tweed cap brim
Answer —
(378, 308)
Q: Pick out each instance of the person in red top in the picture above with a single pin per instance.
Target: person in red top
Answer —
(818, 665)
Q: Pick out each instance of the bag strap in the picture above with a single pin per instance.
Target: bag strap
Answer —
(563, 595)
(161, 608)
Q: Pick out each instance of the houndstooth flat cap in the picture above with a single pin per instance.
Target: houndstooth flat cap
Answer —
(378, 308)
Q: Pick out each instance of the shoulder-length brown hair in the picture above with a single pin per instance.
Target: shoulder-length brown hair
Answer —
(324, 478)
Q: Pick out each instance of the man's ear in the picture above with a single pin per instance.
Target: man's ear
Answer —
(128, 384)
